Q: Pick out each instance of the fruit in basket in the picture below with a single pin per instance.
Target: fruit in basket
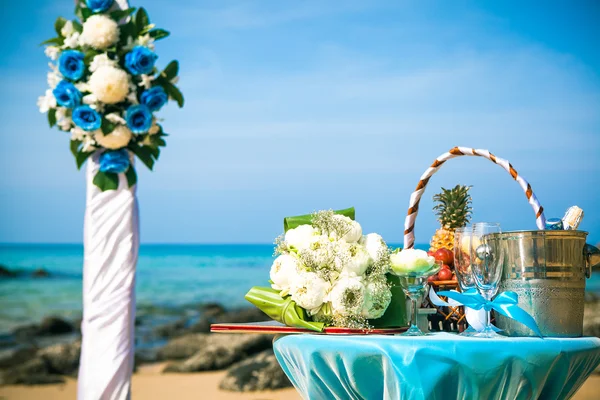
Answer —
(433, 278)
(445, 274)
(453, 208)
(444, 256)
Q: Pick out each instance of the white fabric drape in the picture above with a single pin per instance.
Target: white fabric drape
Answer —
(111, 242)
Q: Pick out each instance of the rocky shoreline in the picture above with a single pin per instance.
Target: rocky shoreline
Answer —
(45, 353)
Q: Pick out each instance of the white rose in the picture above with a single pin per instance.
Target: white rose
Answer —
(375, 245)
(46, 102)
(53, 79)
(308, 290)
(301, 237)
(117, 139)
(347, 296)
(72, 41)
(100, 32)
(283, 270)
(77, 133)
(377, 298)
(67, 29)
(354, 230)
(52, 52)
(88, 143)
(101, 60)
(110, 85)
(115, 118)
(63, 120)
(359, 262)
(411, 260)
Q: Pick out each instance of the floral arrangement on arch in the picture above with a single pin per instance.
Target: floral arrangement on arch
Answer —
(105, 87)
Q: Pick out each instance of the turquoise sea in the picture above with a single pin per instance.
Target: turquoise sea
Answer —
(168, 276)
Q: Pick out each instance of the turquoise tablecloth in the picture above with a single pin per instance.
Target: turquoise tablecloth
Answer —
(441, 366)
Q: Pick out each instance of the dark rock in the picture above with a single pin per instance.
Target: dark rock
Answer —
(244, 315)
(222, 350)
(202, 326)
(30, 372)
(170, 330)
(6, 273)
(259, 372)
(211, 310)
(62, 359)
(54, 326)
(183, 347)
(25, 332)
(16, 357)
(40, 273)
(145, 356)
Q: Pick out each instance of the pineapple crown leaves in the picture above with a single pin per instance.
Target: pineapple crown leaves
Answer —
(453, 206)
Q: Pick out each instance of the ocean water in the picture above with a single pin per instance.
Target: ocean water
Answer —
(167, 276)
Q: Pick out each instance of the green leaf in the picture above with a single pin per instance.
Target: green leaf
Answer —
(131, 176)
(81, 157)
(86, 13)
(292, 222)
(106, 180)
(141, 19)
(75, 147)
(57, 41)
(107, 126)
(58, 25)
(126, 31)
(174, 93)
(77, 26)
(171, 70)
(158, 34)
(143, 154)
(52, 117)
(89, 56)
(120, 14)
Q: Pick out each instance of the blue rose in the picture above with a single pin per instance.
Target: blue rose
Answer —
(71, 65)
(99, 5)
(140, 60)
(154, 98)
(139, 118)
(87, 118)
(66, 94)
(116, 161)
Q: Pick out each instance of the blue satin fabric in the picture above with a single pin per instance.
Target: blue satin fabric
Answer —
(436, 367)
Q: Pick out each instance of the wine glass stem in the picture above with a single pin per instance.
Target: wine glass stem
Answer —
(415, 311)
(488, 322)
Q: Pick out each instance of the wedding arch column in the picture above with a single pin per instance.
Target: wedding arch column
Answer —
(111, 243)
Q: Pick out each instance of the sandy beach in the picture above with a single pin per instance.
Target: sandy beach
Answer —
(150, 384)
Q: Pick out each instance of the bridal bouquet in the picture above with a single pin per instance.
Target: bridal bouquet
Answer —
(105, 87)
(327, 273)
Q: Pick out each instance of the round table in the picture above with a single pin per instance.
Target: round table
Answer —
(438, 366)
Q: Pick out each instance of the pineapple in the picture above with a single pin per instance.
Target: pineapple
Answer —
(453, 209)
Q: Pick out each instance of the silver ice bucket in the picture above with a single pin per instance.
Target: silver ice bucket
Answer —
(547, 269)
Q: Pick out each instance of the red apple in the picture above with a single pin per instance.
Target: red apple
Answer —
(445, 256)
(432, 278)
(445, 274)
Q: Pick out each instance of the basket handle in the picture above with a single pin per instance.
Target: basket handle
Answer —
(415, 197)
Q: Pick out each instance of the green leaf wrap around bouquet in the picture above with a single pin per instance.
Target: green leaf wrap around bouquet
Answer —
(283, 310)
(293, 222)
(395, 315)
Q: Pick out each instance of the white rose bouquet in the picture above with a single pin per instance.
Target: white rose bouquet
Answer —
(327, 267)
(105, 87)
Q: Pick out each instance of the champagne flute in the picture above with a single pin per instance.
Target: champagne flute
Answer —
(414, 285)
(462, 266)
(487, 261)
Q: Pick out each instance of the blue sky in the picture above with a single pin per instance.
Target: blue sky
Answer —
(300, 105)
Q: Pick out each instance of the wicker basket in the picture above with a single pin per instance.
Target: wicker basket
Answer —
(453, 318)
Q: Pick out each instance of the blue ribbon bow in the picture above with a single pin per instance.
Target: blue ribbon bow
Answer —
(506, 303)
